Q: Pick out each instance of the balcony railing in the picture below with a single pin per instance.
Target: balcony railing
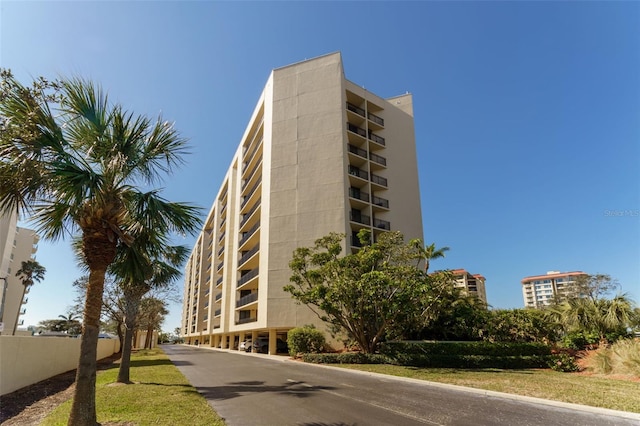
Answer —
(220, 265)
(245, 300)
(379, 180)
(376, 138)
(245, 320)
(382, 202)
(360, 218)
(355, 241)
(218, 296)
(219, 281)
(217, 312)
(248, 254)
(382, 224)
(376, 119)
(250, 174)
(357, 151)
(351, 107)
(248, 234)
(216, 326)
(247, 197)
(221, 250)
(246, 216)
(248, 276)
(354, 171)
(355, 129)
(221, 237)
(377, 159)
(356, 193)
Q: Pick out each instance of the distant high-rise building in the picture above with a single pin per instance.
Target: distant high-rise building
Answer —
(320, 154)
(17, 245)
(472, 285)
(542, 290)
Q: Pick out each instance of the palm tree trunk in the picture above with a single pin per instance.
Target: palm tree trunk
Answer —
(131, 311)
(99, 251)
(83, 409)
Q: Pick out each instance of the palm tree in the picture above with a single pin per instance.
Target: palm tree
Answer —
(71, 323)
(144, 266)
(427, 253)
(602, 316)
(153, 312)
(75, 162)
(30, 272)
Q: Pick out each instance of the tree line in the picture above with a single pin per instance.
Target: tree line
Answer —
(381, 293)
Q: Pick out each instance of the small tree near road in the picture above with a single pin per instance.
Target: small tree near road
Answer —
(372, 295)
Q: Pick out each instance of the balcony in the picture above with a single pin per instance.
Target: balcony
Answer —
(219, 281)
(357, 130)
(220, 251)
(218, 296)
(351, 107)
(248, 277)
(377, 139)
(247, 197)
(382, 224)
(250, 174)
(375, 119)
(378, 159)
(245, 320)
(355, 241)
(379, 180)
(221, 237)
(216, 326)
(354, 171)
(220, 265)
(360, 218)
(247, 216)
(381, 202)
(245, 300)
(357, 151)
(246, 256)
(217, 312)
(248, 234)
(359, 195)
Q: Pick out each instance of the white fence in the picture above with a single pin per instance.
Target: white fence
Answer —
(28, 360)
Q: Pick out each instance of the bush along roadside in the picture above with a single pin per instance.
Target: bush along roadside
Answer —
(446, 355)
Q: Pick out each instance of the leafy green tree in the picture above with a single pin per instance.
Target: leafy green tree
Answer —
(428, 252)
(594, 287)
(519, 325)
(76, 162)
(152, 314)
(29, 273)
(374, 294)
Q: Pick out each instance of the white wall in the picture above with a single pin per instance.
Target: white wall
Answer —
(28, 360)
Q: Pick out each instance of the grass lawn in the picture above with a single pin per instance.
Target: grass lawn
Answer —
(160, 396)
(616, 394)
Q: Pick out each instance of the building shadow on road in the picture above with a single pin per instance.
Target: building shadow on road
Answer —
(236, 389)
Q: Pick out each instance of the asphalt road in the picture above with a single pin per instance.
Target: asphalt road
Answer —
(255, 390)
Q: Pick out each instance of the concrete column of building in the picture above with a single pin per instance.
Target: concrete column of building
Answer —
(273, 346)
(223, 344)
(241, 339)
(254, 337)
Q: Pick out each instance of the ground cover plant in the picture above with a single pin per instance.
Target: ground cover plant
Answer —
(160, 395)
(576, 388)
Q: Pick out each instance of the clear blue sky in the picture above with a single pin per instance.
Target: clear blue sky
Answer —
(527, 114)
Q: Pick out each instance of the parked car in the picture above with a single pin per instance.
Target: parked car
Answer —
(262, 345)
(245, 345)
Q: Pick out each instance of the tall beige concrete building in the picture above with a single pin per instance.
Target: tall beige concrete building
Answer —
(17, 245)
(320, 154)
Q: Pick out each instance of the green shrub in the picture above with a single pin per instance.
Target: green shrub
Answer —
(579, 340)
(345, 358)
(504, 349)
(304, 340)
(563, 362)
